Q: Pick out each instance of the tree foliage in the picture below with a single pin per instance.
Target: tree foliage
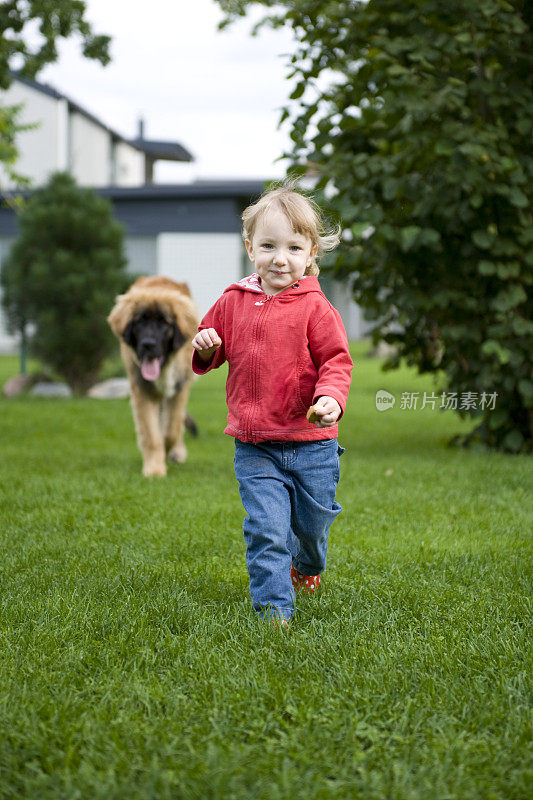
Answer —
(54, 20)
(9, 128)
(417, 117)
(29, 33)
(62, 276)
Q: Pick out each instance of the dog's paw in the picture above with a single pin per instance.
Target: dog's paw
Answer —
(154, 470)
(178, 454)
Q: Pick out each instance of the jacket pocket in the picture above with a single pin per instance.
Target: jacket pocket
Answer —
(306, 378)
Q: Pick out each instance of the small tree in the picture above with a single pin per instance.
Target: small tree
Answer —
(62, 275)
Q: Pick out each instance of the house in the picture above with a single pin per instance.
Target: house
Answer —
(189, 232)
(66, 137)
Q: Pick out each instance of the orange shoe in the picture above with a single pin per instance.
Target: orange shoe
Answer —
(281, 624)
(304, 583)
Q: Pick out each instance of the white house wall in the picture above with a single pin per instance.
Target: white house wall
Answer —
(129, 169)
(90, 152)
(207, 262)
(43, 149)
(141, 253)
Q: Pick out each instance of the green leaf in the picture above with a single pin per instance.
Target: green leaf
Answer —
(429, 237)
(526, 387)
(359, 228)
(518, 198)
(298, 91)
(521, 326)
(498, 418)
(397, 69)
(524, 126)
(510, 269)
(408, 237)
(390, 188)
(486, 267)
(514, 441)
(492, 347)
(482, 239)
(444, 148)
(509, 298)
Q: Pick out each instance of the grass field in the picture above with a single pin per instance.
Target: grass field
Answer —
(131, 665)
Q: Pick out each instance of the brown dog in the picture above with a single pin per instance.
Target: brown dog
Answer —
(155, 321)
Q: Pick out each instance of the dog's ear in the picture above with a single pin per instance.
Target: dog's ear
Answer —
(178, 339)
(129, 335)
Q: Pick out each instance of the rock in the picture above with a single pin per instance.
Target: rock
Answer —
(15, 386)
(50, 389)
(112, 389)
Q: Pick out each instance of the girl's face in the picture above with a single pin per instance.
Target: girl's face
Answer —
(280, 255)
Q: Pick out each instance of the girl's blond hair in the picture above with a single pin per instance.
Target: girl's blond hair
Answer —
(302, 212)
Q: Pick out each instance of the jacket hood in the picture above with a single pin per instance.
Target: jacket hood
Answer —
(252, 283)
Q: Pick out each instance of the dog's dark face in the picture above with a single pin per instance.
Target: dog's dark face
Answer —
(153, 337)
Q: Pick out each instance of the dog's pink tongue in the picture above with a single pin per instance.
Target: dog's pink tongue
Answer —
(150, 369)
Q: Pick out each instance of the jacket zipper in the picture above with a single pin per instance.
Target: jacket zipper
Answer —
(262, 313)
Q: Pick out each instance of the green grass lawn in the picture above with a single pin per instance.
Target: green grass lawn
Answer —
(131, 665)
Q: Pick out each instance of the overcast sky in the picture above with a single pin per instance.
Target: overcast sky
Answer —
(218, 93)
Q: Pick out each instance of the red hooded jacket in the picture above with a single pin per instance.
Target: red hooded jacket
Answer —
(284, 352)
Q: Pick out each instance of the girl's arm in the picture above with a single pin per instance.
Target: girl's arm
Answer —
(208, 344)
(329, 349)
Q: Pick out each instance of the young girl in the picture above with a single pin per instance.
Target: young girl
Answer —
(287, 349)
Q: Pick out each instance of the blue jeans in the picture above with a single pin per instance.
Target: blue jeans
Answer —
(288, 492)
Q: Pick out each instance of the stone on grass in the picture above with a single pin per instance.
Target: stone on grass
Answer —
(18, 384)
(51, 389)
(112, 389)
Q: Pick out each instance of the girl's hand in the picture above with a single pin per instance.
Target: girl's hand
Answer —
(328, 410)
(206, 342)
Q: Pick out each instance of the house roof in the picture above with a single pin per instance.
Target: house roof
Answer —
(212, 206)
(202, 189)
(168, 151)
